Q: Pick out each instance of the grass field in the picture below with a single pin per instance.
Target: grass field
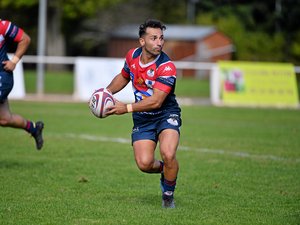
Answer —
(237, 166)
(62, 83)
(55, 82)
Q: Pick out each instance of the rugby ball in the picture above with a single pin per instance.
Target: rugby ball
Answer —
(99, 101)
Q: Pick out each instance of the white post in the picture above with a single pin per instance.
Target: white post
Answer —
(215, 91)
(41, 45)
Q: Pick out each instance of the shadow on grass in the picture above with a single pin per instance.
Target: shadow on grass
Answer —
(7, 164)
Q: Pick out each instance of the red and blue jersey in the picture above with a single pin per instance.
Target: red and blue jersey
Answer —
(159, 74)
(8, 33)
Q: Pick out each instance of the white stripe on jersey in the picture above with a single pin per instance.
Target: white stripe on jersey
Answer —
(9, 25)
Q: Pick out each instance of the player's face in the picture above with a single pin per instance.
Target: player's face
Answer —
(153, 41)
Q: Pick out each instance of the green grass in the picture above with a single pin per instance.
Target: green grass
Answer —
(62, 83)
(55, 82)
(189, 87)
(237, 166)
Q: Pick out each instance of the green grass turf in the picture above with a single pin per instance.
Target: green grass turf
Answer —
(55, 82)
(237, 166)
(189, 87)
(62, 83)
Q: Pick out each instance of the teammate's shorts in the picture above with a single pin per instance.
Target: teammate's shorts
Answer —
(6, 85)
(148, 127)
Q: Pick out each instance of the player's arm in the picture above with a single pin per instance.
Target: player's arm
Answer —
(22, 46)
(150, 103)
(117, 84)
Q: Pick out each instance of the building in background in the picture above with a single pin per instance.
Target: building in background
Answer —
(183, 43)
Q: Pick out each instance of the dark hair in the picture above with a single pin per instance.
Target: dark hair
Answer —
(150, 23)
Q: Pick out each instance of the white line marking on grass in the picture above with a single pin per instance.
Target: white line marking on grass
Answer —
(237, 154)
(183, 148)
(99, 138)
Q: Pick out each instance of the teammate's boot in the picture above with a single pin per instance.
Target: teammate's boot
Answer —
(38, 135)
(168, 200)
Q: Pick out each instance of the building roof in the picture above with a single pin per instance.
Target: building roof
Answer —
(173, 32)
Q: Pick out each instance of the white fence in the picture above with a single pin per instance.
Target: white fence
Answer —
(181, 65)
(86, 73)
(71, 61)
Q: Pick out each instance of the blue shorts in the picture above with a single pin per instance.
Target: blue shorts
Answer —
(6, 85)
(148, 127)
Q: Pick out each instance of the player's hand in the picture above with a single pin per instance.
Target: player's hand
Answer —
(8, 65)
(118, 108)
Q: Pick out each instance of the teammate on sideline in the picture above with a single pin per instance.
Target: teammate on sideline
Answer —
(11, 33)
(156, 113)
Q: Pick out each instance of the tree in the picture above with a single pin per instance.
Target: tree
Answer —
(172, 11)
(261, 30)
(267, 30)
(60, 15)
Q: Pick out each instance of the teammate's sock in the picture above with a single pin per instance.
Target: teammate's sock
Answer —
(30, 127)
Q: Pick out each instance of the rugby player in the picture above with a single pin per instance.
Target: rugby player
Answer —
(10, 33)
(156, 113)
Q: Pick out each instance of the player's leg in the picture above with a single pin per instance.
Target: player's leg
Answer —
(168, 143)
(8, 119)
(169, 140)
(144, 141)
(144, 156)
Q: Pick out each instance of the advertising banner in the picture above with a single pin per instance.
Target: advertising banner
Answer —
(94, 73)
(258, 84)
(18, 91)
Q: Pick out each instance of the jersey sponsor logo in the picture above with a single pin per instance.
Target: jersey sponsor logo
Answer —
(167, 68)
(167, 80)
(140, 94)
(133, 66)
(150, 113)
(173, 121)
(150, 83)
(150, 73)
(135, 130)
(140, 81)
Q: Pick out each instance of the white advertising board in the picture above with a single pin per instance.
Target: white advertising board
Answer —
(94, 73)
(18, 91)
